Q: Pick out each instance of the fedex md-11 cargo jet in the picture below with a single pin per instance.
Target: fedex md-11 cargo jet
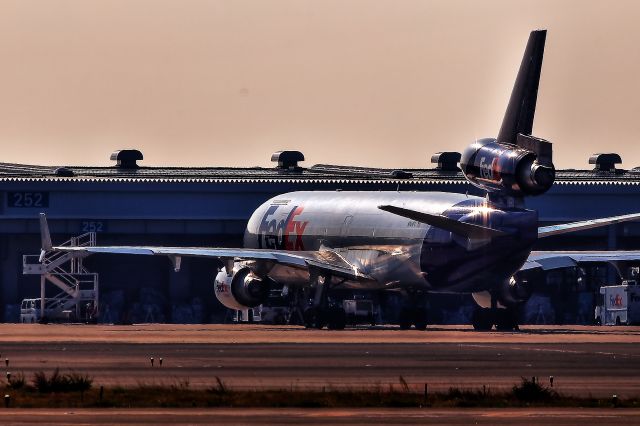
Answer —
(413, 242)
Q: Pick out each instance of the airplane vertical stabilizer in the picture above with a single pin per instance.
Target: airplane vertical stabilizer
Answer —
(520, 112)
(515, 164)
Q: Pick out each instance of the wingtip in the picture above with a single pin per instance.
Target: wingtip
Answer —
(45, 236)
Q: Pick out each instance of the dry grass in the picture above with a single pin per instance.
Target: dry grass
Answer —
(56, 382)
(525, 394)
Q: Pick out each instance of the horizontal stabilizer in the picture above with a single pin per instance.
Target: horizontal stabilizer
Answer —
(564, 228)
(464, 229)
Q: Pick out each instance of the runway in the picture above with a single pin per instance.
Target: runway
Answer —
(449, 417)
(599, 361)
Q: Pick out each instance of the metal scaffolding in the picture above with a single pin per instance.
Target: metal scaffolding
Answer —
(77, 299)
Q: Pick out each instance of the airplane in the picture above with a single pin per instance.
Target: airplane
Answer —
(416, 243)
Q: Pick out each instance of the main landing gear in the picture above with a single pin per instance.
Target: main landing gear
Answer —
(486, 317)
(414, 312)
(321, 314)
(334, 318)
(504, 319)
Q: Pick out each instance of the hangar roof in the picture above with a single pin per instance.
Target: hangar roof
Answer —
(316, 173)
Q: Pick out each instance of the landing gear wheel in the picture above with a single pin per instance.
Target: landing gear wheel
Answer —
(420, 319)
(506, 320)
(413, 316)
(422, 326)
(482, 319)
(337, 319)
(371, 320)
(314, 318)
(405, 319)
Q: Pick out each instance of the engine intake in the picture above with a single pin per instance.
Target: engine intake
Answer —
(514, 170)
(515, 291)
(241, 289)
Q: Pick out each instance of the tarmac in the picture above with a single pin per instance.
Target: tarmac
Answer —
(227, 416)
(598, 361)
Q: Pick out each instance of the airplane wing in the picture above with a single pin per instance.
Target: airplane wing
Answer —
(326, 260)
(547, 260)
(563, 228)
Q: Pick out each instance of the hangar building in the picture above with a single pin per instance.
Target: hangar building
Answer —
(129, 203)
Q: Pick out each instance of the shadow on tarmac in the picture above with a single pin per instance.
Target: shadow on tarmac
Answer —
(525, 330)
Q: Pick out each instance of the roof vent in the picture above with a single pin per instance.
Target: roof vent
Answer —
(605, 162)
(287, 160)
(446, 161)
(401, 174)
(126, 158)
(64, 172)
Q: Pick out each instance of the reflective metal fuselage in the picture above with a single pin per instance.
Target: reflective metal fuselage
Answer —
(395, 251)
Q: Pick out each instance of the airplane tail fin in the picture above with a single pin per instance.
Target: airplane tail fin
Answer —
(515, 164)
(518, 117)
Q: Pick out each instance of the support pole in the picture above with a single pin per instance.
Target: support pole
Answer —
(42, 295)
(318, 297)
(612, 244)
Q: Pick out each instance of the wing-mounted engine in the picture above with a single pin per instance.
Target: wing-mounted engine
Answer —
(508, 169)
(241, 289)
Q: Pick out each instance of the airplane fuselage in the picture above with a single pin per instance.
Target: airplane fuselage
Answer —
(393, 250)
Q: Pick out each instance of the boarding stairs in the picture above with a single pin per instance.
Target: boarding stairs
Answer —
(77, 296)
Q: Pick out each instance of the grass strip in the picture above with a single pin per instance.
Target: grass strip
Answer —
(77, 391)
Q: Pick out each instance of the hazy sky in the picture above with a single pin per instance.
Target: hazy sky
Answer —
(369, 82)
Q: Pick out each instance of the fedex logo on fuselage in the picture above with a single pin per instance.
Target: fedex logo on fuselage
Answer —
(489, 171)
(221, 287)
(285, 234)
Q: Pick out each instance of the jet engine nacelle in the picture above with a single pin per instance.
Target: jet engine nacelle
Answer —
(509, 294)
(513, 170)
(240, 289)
(515, 291)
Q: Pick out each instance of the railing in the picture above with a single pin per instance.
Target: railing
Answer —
(75, 281)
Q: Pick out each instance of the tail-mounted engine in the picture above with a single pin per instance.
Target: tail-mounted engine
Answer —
(515, 164)
(512, 170)
(241, 289)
